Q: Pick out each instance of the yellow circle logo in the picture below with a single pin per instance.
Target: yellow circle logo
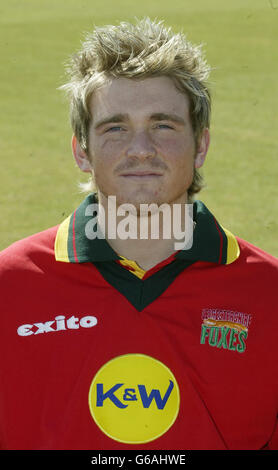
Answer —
(134, 398)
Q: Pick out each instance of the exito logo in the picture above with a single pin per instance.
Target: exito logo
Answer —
(134, 398)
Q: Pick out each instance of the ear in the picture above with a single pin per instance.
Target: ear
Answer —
(202, 148)
(80, 156)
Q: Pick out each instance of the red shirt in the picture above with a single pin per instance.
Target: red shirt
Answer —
(93, 357)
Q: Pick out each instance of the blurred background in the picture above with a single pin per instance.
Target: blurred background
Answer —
(39, 179)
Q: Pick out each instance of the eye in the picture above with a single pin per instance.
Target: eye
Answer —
(114, 129)
(164, 126)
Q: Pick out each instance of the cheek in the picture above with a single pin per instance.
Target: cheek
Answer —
(178, 155)
(106, 155)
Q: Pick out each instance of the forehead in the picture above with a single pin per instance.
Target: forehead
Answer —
(138, 98)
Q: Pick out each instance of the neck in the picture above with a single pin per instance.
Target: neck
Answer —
(147, 237)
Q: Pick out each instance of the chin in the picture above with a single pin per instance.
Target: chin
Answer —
(143, 195)
(142, 198)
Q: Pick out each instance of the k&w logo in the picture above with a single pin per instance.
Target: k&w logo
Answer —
(130, 395)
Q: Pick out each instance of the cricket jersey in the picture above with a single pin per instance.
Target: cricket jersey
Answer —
(97, 353)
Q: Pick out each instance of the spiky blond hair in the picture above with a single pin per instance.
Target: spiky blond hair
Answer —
(144, 49)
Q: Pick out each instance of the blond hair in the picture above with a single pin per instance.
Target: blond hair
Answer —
(144, 49)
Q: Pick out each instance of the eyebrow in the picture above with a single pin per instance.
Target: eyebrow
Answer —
(167, 117)
(111, 119)
(154, 117)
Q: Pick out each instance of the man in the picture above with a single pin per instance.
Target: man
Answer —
(112, 341)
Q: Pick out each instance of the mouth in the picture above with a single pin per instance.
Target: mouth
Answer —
(141, 175)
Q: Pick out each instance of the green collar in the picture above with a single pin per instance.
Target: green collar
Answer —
(211, 242)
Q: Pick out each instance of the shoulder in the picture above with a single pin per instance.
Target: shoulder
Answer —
(28, 252)
(254, 257)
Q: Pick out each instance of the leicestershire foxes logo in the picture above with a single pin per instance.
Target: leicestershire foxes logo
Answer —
(225, 329)
(134, 398)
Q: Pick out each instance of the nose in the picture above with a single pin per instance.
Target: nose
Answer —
(141, 146)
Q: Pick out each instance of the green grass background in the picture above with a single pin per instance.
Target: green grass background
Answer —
(39, 179)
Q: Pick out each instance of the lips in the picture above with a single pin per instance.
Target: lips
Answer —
(141, 173)
(141, 177)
